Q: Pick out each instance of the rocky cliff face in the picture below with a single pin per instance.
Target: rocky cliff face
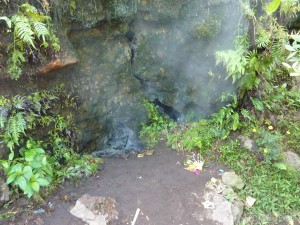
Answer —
(162, 50)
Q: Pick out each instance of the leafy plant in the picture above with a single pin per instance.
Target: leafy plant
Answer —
(293, 59)
(30, 171)
(155, 126)
(47, 116)
(197, 137)
(227, 119)
(269, 143)
(275, 190)
(234, 60)
(30, 30)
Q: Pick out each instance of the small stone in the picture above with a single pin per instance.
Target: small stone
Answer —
(232, 180)
(248, 143)
(292, 159)
(250, 201)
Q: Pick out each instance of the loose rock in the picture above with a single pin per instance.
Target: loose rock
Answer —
(233, 180)
(292, 159)
(95, 210)
(248, 143)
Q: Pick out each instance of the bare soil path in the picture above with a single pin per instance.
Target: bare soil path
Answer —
(159, 185)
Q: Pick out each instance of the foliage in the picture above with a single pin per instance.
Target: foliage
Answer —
(31, 164)
(30, 31)
(293, 59)
(227, 119)
(234, 60)
(269, 143)
(79, 166)
(31, 170)
(276, 190)
(195, 137)
(157, 124)
(273, 6)
(290, 130)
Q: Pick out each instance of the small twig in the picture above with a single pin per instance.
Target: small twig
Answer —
(135, 216)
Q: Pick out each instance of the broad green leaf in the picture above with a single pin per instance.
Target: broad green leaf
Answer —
(257, 104)
(280, 166)
(35, 186)
(16, 168)
(11, 155)
(287, 65)
(273, 6)
(38, 150)
(290, 48)
(21, 182)
(29, 155)
(44, 160)
(43, 182)
(11, 178)
(28, 190)
(27, 170)
(5, 165)
(10, 144)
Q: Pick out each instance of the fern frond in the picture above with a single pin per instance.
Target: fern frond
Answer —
(33, 13)
(16, 126)
(14, 64)
(23, 30)
(13, 129)
(41, 31)
(21, 122)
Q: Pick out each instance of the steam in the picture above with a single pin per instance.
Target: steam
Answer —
(183, 48)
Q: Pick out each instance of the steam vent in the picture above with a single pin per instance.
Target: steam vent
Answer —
(115, 54)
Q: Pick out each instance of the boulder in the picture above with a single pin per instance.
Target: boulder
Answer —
(232, 180)
(292, 159)
(95, 210)
(225, 212)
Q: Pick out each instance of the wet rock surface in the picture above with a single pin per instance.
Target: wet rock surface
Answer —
(115, 54)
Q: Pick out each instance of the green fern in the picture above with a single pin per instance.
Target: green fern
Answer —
(234, 60)
(14, 64)
(41, 31)
(16, 126)
(32, 13)
(21, 122)
(29, 28)
(23, 30)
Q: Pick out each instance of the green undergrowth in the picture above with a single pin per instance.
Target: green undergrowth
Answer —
(39, 142)
(274, 186)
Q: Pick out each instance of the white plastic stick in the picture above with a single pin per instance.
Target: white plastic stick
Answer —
(135, 216)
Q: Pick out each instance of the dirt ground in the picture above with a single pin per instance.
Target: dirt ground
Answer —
(159, 185)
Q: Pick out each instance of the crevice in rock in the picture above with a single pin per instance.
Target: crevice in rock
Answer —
(168, 110)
